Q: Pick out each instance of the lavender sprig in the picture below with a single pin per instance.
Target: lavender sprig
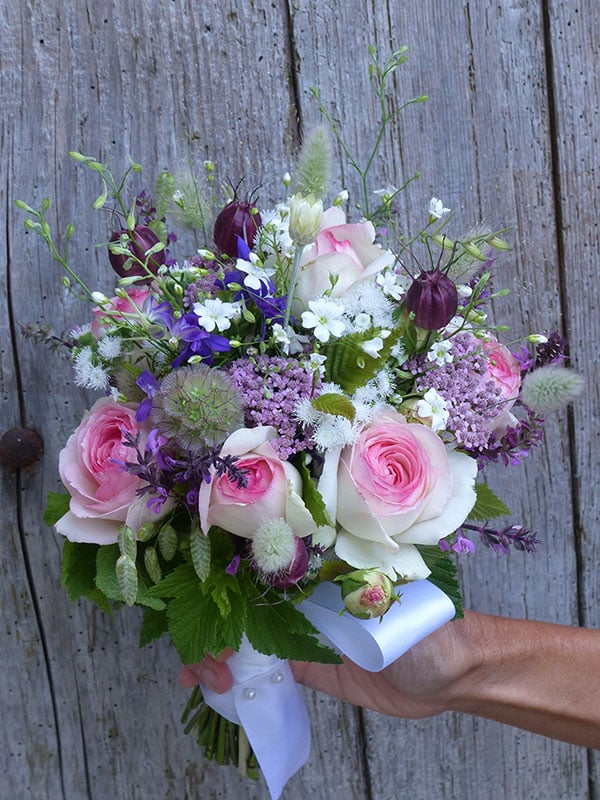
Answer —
(500, 541)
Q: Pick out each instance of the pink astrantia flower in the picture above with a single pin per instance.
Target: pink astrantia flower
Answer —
(399, 486)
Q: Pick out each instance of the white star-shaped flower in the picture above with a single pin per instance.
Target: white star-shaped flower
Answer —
(324, 317)
(440, 353)
(256, 274)
(214, 313)
(437, 209)
(432, 407)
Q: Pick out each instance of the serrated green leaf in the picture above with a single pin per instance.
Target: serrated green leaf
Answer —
(200, 552)
(78, 571)
(349, 365)
(154, 624)
(443, 574)
(333, 403)
(488, 505)
(57, 505)
(106, 577)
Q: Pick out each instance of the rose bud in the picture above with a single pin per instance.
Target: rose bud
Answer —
(137, 242)
(367, 593)
(236, 219)
(433, 299)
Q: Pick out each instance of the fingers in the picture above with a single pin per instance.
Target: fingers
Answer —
(211, 672)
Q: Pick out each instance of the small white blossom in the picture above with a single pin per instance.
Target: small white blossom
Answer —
(99, 298)
(437, 209)
(537, 338)
(306, 216)
(362, 322)
(80, 330)
(87, 374)
(316, 362)
(387, 192)
(341, 197)
(109, 347)
(440, 353)
(214, 313)
(367, 298)
(373, 346)
(324, 317)
(388, 282)
(433, 407)
(399, 352)
(257, 276)
(464, 290)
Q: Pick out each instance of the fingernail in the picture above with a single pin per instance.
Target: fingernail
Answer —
(208, 677)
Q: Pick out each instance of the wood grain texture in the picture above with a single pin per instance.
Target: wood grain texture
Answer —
(509, 136)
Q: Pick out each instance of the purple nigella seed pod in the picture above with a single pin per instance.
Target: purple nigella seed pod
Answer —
(433, 299)
(139, 241)
(295, 571)
(236, 219)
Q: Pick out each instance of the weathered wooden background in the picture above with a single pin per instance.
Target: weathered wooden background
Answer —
(510, 135)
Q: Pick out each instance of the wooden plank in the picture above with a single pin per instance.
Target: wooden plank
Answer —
(163, 83)
(483, 143)
(574, 33)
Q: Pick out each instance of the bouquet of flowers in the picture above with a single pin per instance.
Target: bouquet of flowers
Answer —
(292, 423)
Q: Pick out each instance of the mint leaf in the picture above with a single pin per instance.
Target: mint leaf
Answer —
(335, 403)
(78, 572)
(488, 505)
(274, 626)
(57, 505)
(154, 625)
(443, 574)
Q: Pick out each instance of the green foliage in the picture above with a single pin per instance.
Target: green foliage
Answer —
(311, 495)
(488, 505)
(57, 505)
(154, 624)
(200, 552)
(78, 572)
(334, 403)
(443, 574)
(106, 579)
(349, 365)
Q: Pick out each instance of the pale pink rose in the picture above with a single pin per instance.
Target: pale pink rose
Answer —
(273, 489)
(119, 306)
(505, 371)
(346, 250)
(399, 486)
(103, 494)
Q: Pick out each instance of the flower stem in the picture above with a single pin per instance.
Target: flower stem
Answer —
(292, 284)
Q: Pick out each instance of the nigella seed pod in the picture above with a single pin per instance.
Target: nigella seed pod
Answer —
(433, 299)
(137, 242)
(236, 219)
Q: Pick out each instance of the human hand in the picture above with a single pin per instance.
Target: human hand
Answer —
(419, 684)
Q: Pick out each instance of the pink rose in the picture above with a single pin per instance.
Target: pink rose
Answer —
(399, 486)
(273, 489)
(346, 250)
(118, 306)
(505, 371)
(103, 494)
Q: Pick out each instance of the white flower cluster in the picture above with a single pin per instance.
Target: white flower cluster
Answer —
(89, 375)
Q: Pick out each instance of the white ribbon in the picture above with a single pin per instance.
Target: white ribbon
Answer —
(265, 698)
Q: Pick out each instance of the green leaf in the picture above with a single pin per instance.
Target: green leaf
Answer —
(106, 580)
(154, 625)
(57, 505)
(443, 574)
(274, 626)
(334, 403)
(200, 552)
(349, 365)
(488, 505)
(195, 622)
(310, 494)
(78, 572)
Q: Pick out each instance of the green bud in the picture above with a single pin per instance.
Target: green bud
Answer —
(146, 532)
(248, 315)
(167, 542)
(306, 216)
(443, 242)
(135, 167)
(152, 566)
(367, 593)
(66, 282)
(474, 251)
(127, 578)
(498, 244)
(127, 543)
(24, 207)
(79, 157)
(46, 203)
